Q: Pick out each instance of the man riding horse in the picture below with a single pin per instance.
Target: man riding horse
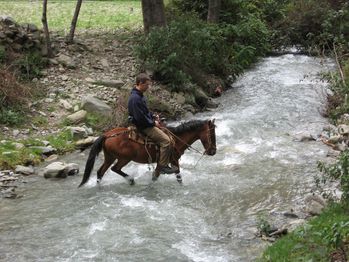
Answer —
(117, 145)
(149, 125)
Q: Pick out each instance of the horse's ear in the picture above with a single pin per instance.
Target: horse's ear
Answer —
(211, 121)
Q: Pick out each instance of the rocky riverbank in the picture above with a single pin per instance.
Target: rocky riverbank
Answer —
(84, 91)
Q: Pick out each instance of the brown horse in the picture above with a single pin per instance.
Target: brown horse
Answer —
(117, 145)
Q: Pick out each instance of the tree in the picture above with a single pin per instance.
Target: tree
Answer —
(70, 37)
(153, 14)
(214, 7)
(46, 31)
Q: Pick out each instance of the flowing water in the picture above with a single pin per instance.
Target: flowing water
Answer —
(259, 168)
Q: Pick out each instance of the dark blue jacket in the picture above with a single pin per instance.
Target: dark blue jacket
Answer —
(138, 110)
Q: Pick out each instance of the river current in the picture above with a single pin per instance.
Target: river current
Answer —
(259, 168)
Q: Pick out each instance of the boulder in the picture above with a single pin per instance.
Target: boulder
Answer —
(84, 143)
(67, 61)
(24, 170)
(94, 105)
(72, 169)
(60, 170)
(109, 83)
(314, 204)
(304, 136)
(78, 132)
(65, 104)
(343, 129)
(56, 169)
(45, 150)
(77, 117)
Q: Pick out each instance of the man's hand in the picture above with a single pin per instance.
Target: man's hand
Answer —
(157, 117)
(157, 124)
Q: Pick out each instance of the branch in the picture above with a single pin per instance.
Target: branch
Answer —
(338, 64)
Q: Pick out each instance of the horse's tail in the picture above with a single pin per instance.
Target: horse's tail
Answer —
(95, 150)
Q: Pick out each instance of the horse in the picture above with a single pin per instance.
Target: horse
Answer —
(116, 144)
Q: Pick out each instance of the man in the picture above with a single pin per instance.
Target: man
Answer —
(145, 122)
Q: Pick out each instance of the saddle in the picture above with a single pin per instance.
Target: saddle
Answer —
(135, 135)
(138, 137)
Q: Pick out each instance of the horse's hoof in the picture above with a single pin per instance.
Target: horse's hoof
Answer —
(131, 182)
(99, 180)
(179, 179)
(154, 178)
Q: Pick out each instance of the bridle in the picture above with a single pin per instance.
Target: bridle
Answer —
(209, 139)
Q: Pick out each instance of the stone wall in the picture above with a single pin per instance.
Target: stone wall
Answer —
(20, 38)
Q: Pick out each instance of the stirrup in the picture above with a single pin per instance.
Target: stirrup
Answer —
(168, 170)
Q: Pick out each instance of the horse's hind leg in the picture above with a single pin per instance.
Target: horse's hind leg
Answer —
(108, 160)
(117, 169)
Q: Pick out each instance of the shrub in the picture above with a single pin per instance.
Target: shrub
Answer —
(187, 44)
(338, 171)
(314, 24)
(2, 54)
(31, 64)
(12, 117)
(13, 98)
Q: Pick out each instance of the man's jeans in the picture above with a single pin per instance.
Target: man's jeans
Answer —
(159, 137)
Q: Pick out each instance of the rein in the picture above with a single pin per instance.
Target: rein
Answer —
(180, 139)
(209, 139)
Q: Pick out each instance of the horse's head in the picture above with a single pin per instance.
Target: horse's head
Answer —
(208, 137)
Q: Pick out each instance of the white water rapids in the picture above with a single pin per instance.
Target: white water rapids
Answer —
(259, 167)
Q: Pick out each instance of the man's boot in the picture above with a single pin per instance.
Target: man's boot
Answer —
(168, 170)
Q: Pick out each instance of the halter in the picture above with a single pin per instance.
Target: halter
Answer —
(209, 139)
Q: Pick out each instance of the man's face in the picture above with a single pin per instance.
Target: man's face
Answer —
(144, 86)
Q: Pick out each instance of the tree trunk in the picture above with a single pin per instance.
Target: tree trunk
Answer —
(70, 37)
(153, 14)
(214, 7)
(46, 31)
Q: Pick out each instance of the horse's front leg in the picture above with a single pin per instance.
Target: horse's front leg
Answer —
(156, 173)
(179, 178)
(178, 174)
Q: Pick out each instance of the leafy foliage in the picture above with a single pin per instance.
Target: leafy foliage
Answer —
(314, 24)
(315, 241)
(187, 44)
(337, 234)
(31, 64)
(13, 98)
(338, 171)
(191, 47)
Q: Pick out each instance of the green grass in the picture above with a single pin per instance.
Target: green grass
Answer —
(101, 15)
(10, 156)
(311, 242)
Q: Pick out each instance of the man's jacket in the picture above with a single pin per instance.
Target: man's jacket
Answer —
(138, 110)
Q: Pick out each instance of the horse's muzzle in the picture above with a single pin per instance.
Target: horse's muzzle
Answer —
(211, 152)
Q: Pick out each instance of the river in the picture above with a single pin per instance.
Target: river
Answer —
(259, 168)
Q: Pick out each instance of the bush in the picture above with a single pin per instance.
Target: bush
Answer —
(191, 49)
(2, 54)
(31, 64)
(11, 116)
(12, 93)
(13, 98)
(314, 24)
(187, 45)
(338, 171)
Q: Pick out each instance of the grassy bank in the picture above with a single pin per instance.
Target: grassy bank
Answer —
(323, 238)
(27, 151)
(101, 15)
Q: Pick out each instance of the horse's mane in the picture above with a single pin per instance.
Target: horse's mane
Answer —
(186, 126)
